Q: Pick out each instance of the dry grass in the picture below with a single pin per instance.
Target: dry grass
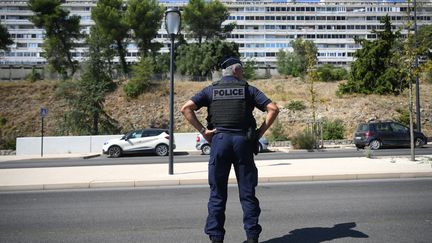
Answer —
(20, 103)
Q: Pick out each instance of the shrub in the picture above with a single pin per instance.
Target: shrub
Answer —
(368, 153)
(140, 80)
(277, 132)
(403, 117)
(134, 88)
(8, 142)
(296, 105)
(3, 121)
(328, 73)
(333, 129)
(249, 70)
(303, 140)
(428, 77)
(34, 76)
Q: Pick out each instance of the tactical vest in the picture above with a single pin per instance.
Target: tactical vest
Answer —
(230, 106)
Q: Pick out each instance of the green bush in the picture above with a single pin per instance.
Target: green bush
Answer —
(428, 77)
(140, 80)
(303, 140)
(327, 73)
(403, 117)
(8, 142)
(249, 70)
(333, 129)
(3, 121)
(277, 132)
(134, 88)
(296, 105)
(34, 76)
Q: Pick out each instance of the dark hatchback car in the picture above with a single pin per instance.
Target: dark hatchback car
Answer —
(379, 134)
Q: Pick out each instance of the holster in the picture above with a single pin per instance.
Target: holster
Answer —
(252, 137)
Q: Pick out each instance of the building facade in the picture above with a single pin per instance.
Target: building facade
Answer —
(263, 27)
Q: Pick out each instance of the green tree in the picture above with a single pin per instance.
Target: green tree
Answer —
(424, 41)
(204, 19)
(108, 16)
(282, 63)
(249, 68)
(86, 96)
(308, 50)
(62, 33)
(104, 48)
(200, 60)
(144, 18)
(5, 38)
(161, 63)
(376, 70)
(295, 63)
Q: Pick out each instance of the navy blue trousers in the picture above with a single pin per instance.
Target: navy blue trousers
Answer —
(227, 149)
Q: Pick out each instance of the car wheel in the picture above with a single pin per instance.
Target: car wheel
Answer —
(359, 147)
(419, 143)
(114, 151)
(375, 144)
(205, 149)
(162, 150)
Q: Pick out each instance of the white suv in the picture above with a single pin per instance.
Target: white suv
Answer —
(139, 141)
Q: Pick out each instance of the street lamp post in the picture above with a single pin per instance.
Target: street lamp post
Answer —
(418, 121)
(172, 25)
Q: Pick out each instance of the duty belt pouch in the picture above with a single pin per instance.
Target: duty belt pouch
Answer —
(252, 138)
(251, 134)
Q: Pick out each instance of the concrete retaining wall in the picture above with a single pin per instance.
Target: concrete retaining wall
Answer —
(86, 144)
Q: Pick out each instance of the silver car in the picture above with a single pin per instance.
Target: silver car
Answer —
(204, 146)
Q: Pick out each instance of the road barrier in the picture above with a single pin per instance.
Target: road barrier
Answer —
(85, 144)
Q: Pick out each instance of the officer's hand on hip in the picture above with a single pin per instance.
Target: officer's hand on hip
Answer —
(208, 134)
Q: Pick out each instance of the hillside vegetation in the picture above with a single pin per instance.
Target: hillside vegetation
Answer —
(21, 101)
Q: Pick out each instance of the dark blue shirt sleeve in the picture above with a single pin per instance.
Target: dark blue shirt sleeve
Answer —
(202, 98)
(259, 99)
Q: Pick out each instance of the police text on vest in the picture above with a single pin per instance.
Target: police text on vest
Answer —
(228, 93)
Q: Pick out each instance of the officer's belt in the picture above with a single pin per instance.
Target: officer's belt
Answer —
(244, 133)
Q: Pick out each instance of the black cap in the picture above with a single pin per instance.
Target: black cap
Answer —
(228, 61)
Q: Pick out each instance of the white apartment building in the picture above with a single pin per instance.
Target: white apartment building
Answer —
(263, 27)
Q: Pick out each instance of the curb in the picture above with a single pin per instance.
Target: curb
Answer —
(188, 182)
(91, 156)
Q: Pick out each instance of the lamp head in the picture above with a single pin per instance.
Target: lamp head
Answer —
(172, 21)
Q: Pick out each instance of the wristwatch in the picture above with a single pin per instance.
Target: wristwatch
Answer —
(202, 130)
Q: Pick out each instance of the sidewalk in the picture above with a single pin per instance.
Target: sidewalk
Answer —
(196, 173)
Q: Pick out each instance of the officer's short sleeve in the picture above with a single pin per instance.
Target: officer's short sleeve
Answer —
(202, 98)
(259, 98)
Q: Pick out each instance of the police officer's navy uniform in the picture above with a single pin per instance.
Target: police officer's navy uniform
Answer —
(230, 103)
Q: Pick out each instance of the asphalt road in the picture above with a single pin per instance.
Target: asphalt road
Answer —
(184, 157)
(343, 211)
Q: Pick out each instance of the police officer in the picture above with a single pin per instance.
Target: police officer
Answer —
(231, 130)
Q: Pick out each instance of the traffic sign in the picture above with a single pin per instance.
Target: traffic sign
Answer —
(43, 112)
